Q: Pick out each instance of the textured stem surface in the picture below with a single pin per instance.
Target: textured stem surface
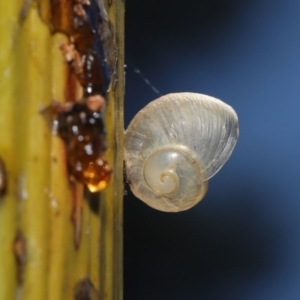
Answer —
(52, 244)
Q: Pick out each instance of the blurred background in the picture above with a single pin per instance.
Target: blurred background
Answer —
(243, 240)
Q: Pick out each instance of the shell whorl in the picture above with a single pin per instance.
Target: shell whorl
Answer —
(174, 145)
(165, 171)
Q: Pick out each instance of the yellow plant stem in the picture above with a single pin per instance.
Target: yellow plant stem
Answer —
(34, 88)
(61, 243)
(8, 205)
(50, 238)
(111, 208)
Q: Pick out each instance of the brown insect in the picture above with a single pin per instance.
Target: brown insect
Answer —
(80, 124)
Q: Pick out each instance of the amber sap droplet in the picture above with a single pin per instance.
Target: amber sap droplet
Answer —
(86, 160)
(94, 173)
(83, 132)
(97, 175)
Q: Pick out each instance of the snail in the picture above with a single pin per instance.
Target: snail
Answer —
(174, 145)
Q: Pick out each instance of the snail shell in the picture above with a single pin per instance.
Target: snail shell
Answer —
(174, 145)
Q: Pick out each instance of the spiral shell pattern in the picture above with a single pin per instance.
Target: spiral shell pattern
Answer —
(174, 145)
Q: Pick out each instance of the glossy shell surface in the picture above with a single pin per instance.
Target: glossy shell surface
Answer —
(174, 145)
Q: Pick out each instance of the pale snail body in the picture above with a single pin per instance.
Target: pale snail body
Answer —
(174, 145)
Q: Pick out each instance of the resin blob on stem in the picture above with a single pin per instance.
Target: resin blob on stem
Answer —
(79, 122)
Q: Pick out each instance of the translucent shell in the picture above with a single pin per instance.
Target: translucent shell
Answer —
(174, 145)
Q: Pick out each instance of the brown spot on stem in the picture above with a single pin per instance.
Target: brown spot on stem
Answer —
(76, 216)
(19, 249)
(85, 290)
(3, 178)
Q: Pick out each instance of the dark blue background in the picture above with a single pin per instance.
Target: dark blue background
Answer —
(243, 240)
